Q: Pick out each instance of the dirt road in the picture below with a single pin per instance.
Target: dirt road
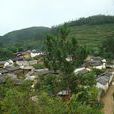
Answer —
(108, 101)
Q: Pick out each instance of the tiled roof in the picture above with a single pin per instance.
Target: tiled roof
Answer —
(104, 78)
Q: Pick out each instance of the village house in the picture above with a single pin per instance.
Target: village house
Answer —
(27, 68)
(104, 80)
(2, 79)
(26, 63)
(9, 69)
(33, 62)
(65, 94)
(35, 53)
(11, 76)
(7, 74)
(23, 55)
(81, 70)
(3, 71)
(8, 63)
(95, 62)
(12, 69)
(22, 63)
(110, 66)
(34, 73)
(40, 72)
(2, 64)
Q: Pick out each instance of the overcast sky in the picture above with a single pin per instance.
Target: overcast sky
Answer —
(18, 14)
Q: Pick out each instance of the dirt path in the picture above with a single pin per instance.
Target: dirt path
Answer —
(108, 101)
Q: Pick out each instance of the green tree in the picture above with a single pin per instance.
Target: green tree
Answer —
(108, 48)
(75, 107)
(60, 47)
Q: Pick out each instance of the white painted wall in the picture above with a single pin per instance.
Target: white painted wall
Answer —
(103, 66)
(104, 87)
(76, 71)
(35, 54)
(22, 63)
(8, 63)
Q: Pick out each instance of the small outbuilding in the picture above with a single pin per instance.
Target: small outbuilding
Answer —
(104, 80)
(64, 94)
(95, 62)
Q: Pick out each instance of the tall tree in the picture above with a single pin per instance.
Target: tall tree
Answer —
(63, 53)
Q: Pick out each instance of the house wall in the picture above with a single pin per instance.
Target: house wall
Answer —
(27, 56)
(111, 79)
(104, 87)
(33, 62)
(21, 63)
(100, 93)
(99, 67)
(1, 65)
(76, 71)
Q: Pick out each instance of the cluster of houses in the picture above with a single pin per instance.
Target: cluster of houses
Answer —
(103, 81)
(23, 64)
(24, 55)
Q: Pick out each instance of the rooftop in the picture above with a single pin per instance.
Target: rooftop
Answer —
(104, 78)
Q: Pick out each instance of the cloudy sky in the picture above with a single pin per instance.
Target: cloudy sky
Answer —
(18, 14)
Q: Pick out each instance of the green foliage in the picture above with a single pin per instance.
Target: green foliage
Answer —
(38, 66)
(107, 49)
(5, 54)
(52, 105)
(58, 49)
(98, 72)
(18, 99)
(76, 107)
(51, 83)
(25, 38)
(82, 81)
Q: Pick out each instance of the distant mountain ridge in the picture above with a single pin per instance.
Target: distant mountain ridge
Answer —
(91, 31)
(30, 29)
(92, 20)
(28, 35)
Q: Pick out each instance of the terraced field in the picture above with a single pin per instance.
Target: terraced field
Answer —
(92, 35)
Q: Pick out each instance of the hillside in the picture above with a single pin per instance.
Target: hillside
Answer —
(90, 31)
(29, 37)
(93, 20)
(92, 35)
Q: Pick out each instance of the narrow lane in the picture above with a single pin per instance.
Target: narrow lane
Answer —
(108, 101)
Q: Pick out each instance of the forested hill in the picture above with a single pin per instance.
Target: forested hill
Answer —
(25, 37)
(92, 20)
(89, 31)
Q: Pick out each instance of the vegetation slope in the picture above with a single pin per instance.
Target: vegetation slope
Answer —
(93, 30)
(27, 38)
(90, 31)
